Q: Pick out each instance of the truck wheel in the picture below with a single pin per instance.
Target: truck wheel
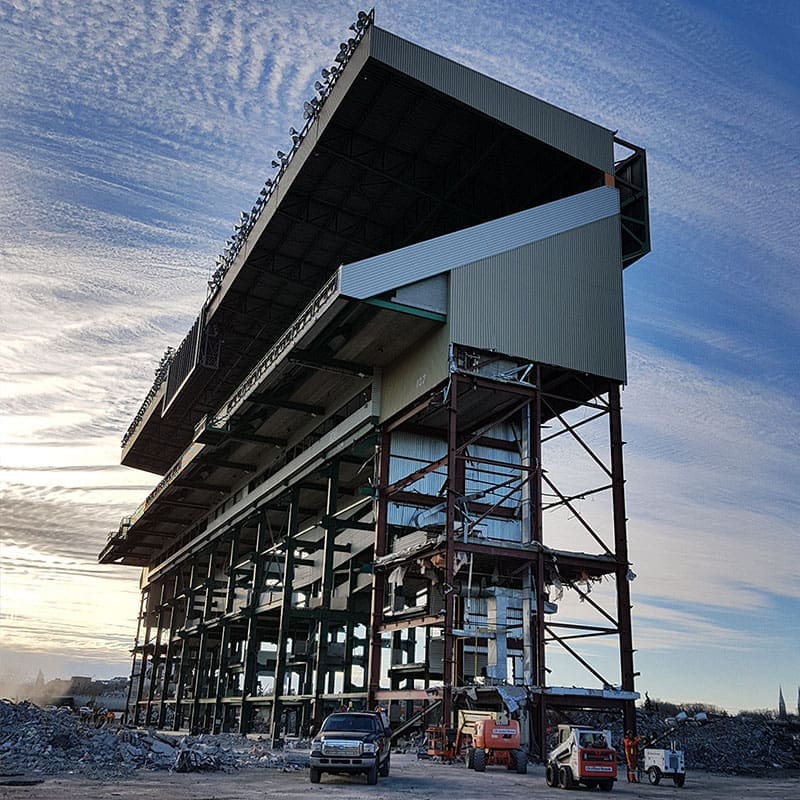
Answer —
(679, 780)
(479, 760)
(384, 770)
(654, 775)
(606, 786)
(470, 759)
(550, 775)
(520, 762)
(372, 775)
(315, 774)
(565, 777)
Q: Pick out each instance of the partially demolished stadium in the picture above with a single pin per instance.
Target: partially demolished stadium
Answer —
(391, 442)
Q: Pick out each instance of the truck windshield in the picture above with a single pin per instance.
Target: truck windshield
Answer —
(349, 722)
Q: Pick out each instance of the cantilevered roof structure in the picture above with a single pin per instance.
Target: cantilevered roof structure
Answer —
(405, 146)
(355, 437)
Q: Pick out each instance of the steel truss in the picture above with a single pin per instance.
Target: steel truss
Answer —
(263, 629)
(446, 557)
(437, 558)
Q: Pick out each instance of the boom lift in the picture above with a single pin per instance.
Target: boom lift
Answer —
(485, 738)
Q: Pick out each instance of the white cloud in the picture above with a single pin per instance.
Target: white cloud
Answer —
(712, 471)
(131, 136)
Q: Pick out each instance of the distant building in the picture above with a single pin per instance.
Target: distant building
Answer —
(80, 684)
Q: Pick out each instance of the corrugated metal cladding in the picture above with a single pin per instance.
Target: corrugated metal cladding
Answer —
(382, 273)
(492, 482)
(430, 294)
(410, 452)
(557, 301)
(413, 451)
(567, 132)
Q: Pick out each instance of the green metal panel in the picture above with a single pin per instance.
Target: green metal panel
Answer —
(410, 310)
(557, 301)
(416, 373)
(387, 272)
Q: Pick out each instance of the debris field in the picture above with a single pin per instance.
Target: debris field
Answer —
(54, 741)
(735, 745)
(41, 741)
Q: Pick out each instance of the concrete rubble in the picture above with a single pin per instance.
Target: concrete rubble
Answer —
(737, 745)
(36, 741)
(734, 745)
(41, 741)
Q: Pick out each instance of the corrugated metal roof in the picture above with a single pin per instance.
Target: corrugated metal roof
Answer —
(382, 273)
(567, 132)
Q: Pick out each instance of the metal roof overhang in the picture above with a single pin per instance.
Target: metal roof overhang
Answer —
(329, 352)
(323, 359)
(407, 146)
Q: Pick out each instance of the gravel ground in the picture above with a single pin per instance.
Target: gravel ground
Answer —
(410, 778)
(51, 754)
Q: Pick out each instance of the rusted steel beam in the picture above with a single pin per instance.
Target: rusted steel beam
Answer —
(378, 578)
(571, 430)
(577, 656)
(621, 547)
(412, 622)
(574, 425)
(453, 491)
(577, 514)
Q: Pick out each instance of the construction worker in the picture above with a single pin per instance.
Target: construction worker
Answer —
(631, 744)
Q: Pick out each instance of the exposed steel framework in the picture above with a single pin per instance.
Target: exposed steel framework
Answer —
(243, 634)
(326, 532)
(463, 413)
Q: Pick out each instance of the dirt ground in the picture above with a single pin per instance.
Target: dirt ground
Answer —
(410, 778)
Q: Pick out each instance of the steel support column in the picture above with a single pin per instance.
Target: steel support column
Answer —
(284, 626)
(323, 626)
(378, 577)
(538, 536)
(220, 688)
(252, 642)
(162, 706)
(452, 489)
(200, 669)
(621, 551)
(134, 674)
(156, 650)
(143, 664)
(183, 663)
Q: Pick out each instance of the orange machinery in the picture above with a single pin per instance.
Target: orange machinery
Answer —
(483, 737)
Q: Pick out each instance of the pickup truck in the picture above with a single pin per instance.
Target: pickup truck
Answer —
(352, 742)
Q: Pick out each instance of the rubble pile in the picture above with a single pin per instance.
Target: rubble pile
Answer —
(36, 740)
(411, 743)
(734, 745)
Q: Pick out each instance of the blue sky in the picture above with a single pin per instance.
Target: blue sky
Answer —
(132, 134)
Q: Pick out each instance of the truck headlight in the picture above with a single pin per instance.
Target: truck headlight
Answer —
(316, 744)
(368, 747)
